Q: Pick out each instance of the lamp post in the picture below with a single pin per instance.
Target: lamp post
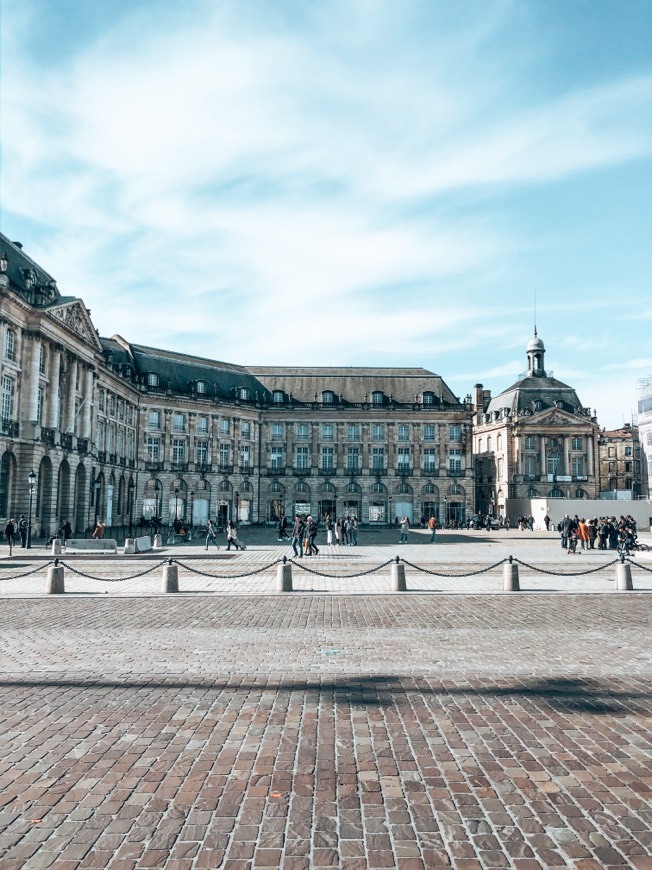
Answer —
(97, 486)
(157, 489)
(176, 503)
(31, 481)
(445, 510)
(192, 504)
(131, 507)
(237, 505)
(389, 511)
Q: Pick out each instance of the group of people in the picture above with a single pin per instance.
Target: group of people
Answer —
(339, 531)
(602, 533)
(14, 529)
(232, 539)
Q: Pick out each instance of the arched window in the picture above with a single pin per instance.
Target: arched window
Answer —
(302, 487)
(533, 492)
(479, 445)
(580, 493)
(429, 489)
(278, 397)
(328, 397)
(378, 487)
(377, 397)
(428, 398)
(555, 492)
(276, 487)
(328, 487)
(405, 488)
(490, 445)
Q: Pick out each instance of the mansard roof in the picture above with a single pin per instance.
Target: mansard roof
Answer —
(527, 392)
(26, 277)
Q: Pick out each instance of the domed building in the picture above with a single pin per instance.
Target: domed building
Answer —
(533, 440)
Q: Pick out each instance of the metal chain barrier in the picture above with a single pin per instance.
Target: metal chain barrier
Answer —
(339, 576)
(225, 576)
(28, 573)
(110, 579)
(467, 574)
(567, 573)
(638, 565)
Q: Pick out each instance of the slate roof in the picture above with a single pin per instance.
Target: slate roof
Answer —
(521, 395)
(18, 263)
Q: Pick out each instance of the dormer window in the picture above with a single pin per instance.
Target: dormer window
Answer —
(201, 387)
(428, 398)
(328, 397)
(278, 397)
(152, 379)
(377, 397)
(243, 394)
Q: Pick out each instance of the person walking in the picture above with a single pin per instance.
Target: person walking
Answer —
(66, 528)
(231, 536)
(10, 531)
(98, 532)
(311, 529)
(211, 534)
(22, 530)
(297, 537)
(282, 529)
(583, 534)
(328, 522)
(405, 530)
(353, 531)
(338, 531)
(432, 525)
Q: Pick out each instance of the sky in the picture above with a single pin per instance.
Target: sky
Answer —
(356, 183)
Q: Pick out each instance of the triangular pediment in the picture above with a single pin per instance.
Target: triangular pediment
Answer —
(554, 418)
(75, 317)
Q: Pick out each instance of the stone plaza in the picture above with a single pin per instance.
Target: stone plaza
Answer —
(337, 726)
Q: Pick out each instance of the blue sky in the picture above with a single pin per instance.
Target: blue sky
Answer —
(344, 183)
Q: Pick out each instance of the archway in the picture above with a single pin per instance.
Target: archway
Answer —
(7, 482)
(63, 492)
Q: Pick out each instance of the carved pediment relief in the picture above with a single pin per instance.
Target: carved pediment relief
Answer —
(554, 419)
(75, 317)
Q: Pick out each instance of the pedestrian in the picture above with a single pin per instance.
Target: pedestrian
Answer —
(344, 530)
(282, 529)
(297, 537)
(432, 525)
(338, 531)
(328, 522)
(546, 521)
(311, 529)
(405, 530)
(98, 532)
(583, 534)
(22, 530)
(10, 531)
(66, 528)
(211, 534)
(353, 531)
(231, 536)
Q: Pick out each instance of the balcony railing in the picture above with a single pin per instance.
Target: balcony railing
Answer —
(245, 468)
(82, 445)
(276, 472)
(66, 440)
(203, 467)
(47, 436)
(101, 456)
(10, 428)
(153, 465)
(113, 458)
(178, 466)
(404, 470)
(225, 468)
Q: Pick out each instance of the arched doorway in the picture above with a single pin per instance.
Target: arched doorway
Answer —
(455, 505)
(202, 505)
(44, 496)
(302, 498)
(276, 502)
(63, 492)
(352, 500)
(379, 507)
(327, 501)
(430, 502)
(7, 483)
(404, 506)
(79, 511)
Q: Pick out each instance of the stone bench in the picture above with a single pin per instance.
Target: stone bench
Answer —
(137, 545)
(91, 545)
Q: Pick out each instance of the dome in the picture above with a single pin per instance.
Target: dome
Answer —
(534, 343)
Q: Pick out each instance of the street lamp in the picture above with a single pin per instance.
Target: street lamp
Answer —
(157, 489)
(237, 505)
(31, 480)
(192, 503)
(131, 507)
(98, 486)
(176, 503)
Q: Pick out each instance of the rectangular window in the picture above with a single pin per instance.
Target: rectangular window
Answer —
(403, 457)
(100, 400)
(327, 462)
(301, 431)
(121, 410)
(245, 456)
(111, 405)
(530, 466)
(178, 422)
(327, 431)
(225, 427)
(430, 432)
(500, 463)
(39, 406)
(628, 451)
(225, 454)
(378, 458)
(430, 459)
(130, 445)
(302, 458)
(201, 452)
(529, 442)
(178, 450)
(110, 439)
(611, 451)
(454, 432)
(41, 360)
(130, 415)
(100, 435)
(154, 419)
(10, 347)
(378, 432)
(152, 448)
(202, 424)
(7, 398)
(353, 432)
(403, 433)
(277, 432)
(455, 459)
(245, 429)
(277, 457)
(576, 443)
(352, 458)
(577, 466)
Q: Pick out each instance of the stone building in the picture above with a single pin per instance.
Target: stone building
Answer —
(645, 434)
(533, 440)
(620, 463)
(120, 431)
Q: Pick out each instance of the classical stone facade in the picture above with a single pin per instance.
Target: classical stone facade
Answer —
(533, 440)
(120, 431)
(620, 463)
(645, 434)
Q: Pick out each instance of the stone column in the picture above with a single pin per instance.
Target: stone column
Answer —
(566, 457)
(72, 392)
(34, 376)
(544, 468)
(88, 405)
(54, 395)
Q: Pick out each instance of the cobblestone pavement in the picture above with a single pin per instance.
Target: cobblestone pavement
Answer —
(322, 731)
